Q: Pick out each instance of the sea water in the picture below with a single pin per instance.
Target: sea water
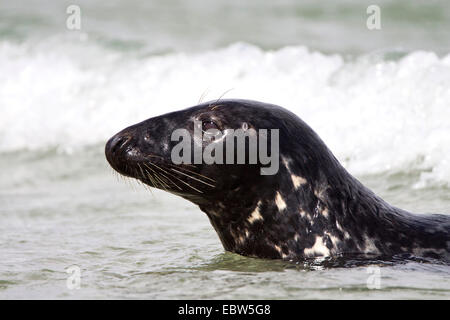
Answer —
(379, 99)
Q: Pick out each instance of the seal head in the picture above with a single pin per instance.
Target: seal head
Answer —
(310, 206)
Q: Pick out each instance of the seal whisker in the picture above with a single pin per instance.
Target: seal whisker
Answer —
(170, 181)
(184, 164)
(116, 174)
(184, 182)
(150, 177)
(157, 179)
(193, 172)
(143, 176)
(142, 171)
(193, 178)
(203, 96)
(142, 184)
(161, 179)
(222, 96)
(161, 158)
(162, 183)
(128, 180)
(161, 169)
(161, 176)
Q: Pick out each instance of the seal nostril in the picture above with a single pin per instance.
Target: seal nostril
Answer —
(116, 143)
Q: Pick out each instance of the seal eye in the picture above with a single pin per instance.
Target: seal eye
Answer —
(207, 125)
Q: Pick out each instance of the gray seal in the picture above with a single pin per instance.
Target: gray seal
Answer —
(312, 207)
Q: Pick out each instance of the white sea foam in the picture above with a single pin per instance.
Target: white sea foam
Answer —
(376, 115)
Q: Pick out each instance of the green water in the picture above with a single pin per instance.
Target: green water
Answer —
(130, 243)
(193, 25)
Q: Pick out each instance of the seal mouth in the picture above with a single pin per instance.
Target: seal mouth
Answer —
(120, 152)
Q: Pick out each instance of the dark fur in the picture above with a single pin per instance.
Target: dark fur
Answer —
(332, 213)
